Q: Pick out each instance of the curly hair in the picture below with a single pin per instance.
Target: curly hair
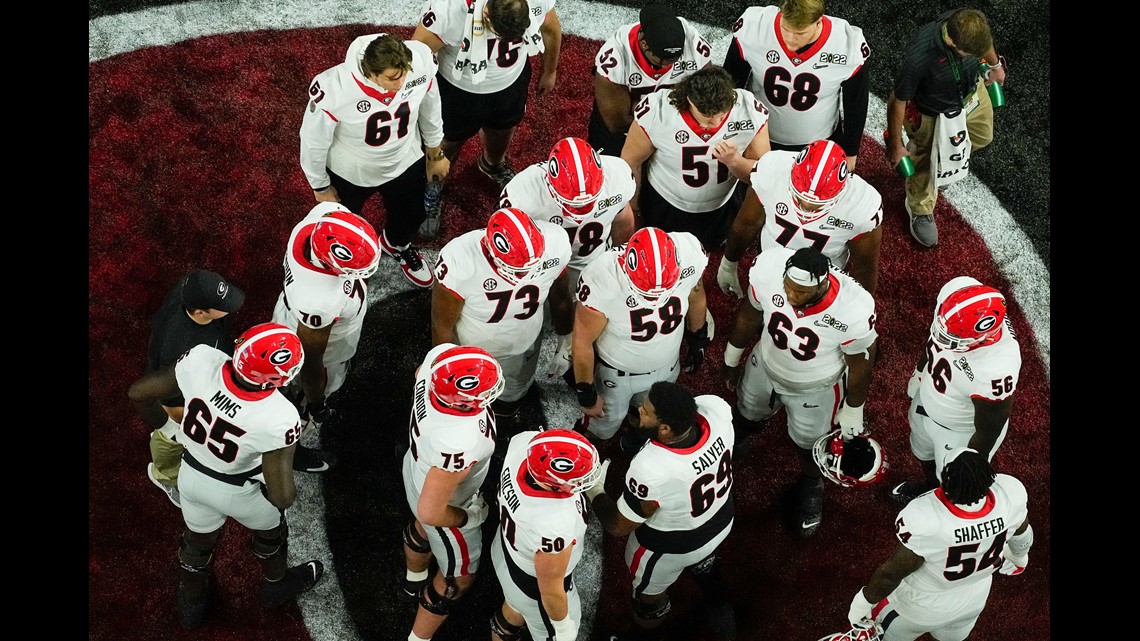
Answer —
(674, 405)
(710, 90)
(967, 478)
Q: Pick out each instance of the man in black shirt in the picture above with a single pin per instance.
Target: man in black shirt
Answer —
(940, 77)
(195, 312)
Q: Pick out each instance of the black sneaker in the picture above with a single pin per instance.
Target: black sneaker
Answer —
(501, 173)
(297, 580)
(809, 506)
(409, 591)
(191, 611)
(907, 491)
(306, 459)
(411, 262)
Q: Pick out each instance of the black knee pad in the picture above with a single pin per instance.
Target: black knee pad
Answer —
(269, 544)
(649, 612)
(503, 628)
(194, 558)
(413, 540)
(706, 573)
(439, 604)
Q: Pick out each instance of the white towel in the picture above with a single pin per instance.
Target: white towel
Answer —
(950, 155)
(474, 58)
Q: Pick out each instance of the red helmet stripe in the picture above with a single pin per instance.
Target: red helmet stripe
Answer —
(464, 355)
(973, 299)
(359, 233)
(821, 168)
(658, 263)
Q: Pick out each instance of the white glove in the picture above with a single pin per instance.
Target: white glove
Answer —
(860, 612)
(1011, 563)
(600, 486)
(728, 278)
(565, 629)
(476, 510)
(850, 420)
(561, 361)
(913, 384)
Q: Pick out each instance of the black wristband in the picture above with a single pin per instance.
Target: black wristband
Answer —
(699, 338)
(587, 395)
(325, 188)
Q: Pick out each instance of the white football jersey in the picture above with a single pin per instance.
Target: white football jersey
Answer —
(638, 338)
(227, 428)
(442, 437)
(447, 19)
(363, 133)
(859, 210)
(691, 486)
(316, 297)
(681, 167)
(800, 91)
(502, 318)
(621, 62)
(961, 549)
(532, 519)
(952, 380)
(813, 341)
(589, 237)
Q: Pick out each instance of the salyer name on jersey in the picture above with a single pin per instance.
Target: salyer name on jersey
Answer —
(683, 149)
(529, 192)
(621, 62)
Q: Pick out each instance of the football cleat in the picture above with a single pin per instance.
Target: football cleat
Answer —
(466, 378)
(818, 177)
(651, 265)
(968, 317)
(857, 633)
(501, 173)
(297, 580)
(563, 459)
(268, 355)
(809, 506)
(346, 244)
(574, 176)
(514, 244)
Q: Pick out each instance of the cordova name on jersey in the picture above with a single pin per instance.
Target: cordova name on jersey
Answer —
(421, 400)
(979, 531)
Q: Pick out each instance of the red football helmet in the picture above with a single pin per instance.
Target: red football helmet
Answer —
(858, 460)
(819, 175)
(268, 355)
(347, 244)
(969, 317)
(574, 176)
(651, 264)
(563, 459)
(467, 378)
(514, 244)
(857, 633)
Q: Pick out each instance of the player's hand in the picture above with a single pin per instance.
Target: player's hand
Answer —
(437, 170)
(724, 151)
(560, 364)
(913, 384)
(600, 486)
(327, 196)
(595, 410)
(698, 342)
(730, 376)
(1011, 564)
(859, 614)
(728, 278)
(850, 420)
(546, 82)
(476, 510)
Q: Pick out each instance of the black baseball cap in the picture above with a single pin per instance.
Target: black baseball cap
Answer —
(204, 289)
(664, 34)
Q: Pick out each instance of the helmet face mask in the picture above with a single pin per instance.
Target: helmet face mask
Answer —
(574, 177)
(466, 378)
(651, 266)
(563, 460)
(514, 244)
(968, 318)
(347, 244)
(268, 356)
(818, 178)
(856, 461)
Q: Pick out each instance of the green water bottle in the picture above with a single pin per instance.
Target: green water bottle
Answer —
(997, 94)
(905, 167)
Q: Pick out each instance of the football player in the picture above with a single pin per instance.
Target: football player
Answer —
(368, 124)
(814, 358)
(676, 505)
(635, 304)
(963, 385)
(656, 52)
(814, 201)
(239, 436)
(809, 70)
(674, 143)
(324, 299)
(484, 49)
(542, 519)
(951, 542)
(451, 436)
(491, 285)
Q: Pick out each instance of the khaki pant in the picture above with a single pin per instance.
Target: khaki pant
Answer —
(921, 194)
(166, 453)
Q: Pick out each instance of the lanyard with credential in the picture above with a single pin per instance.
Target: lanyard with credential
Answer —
(955, 66)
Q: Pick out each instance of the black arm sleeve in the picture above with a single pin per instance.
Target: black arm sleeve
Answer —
(740, 70)
(856, 93)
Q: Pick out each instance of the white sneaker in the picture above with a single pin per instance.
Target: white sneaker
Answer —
(170, 490)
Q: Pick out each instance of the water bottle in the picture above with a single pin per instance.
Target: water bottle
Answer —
(905, 168)
(997, 94)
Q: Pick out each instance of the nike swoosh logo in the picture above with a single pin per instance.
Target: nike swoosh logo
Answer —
(810, 406)
(313, 470)
(819, 66)
(947, 446)
(822, 227)
(809, 524)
